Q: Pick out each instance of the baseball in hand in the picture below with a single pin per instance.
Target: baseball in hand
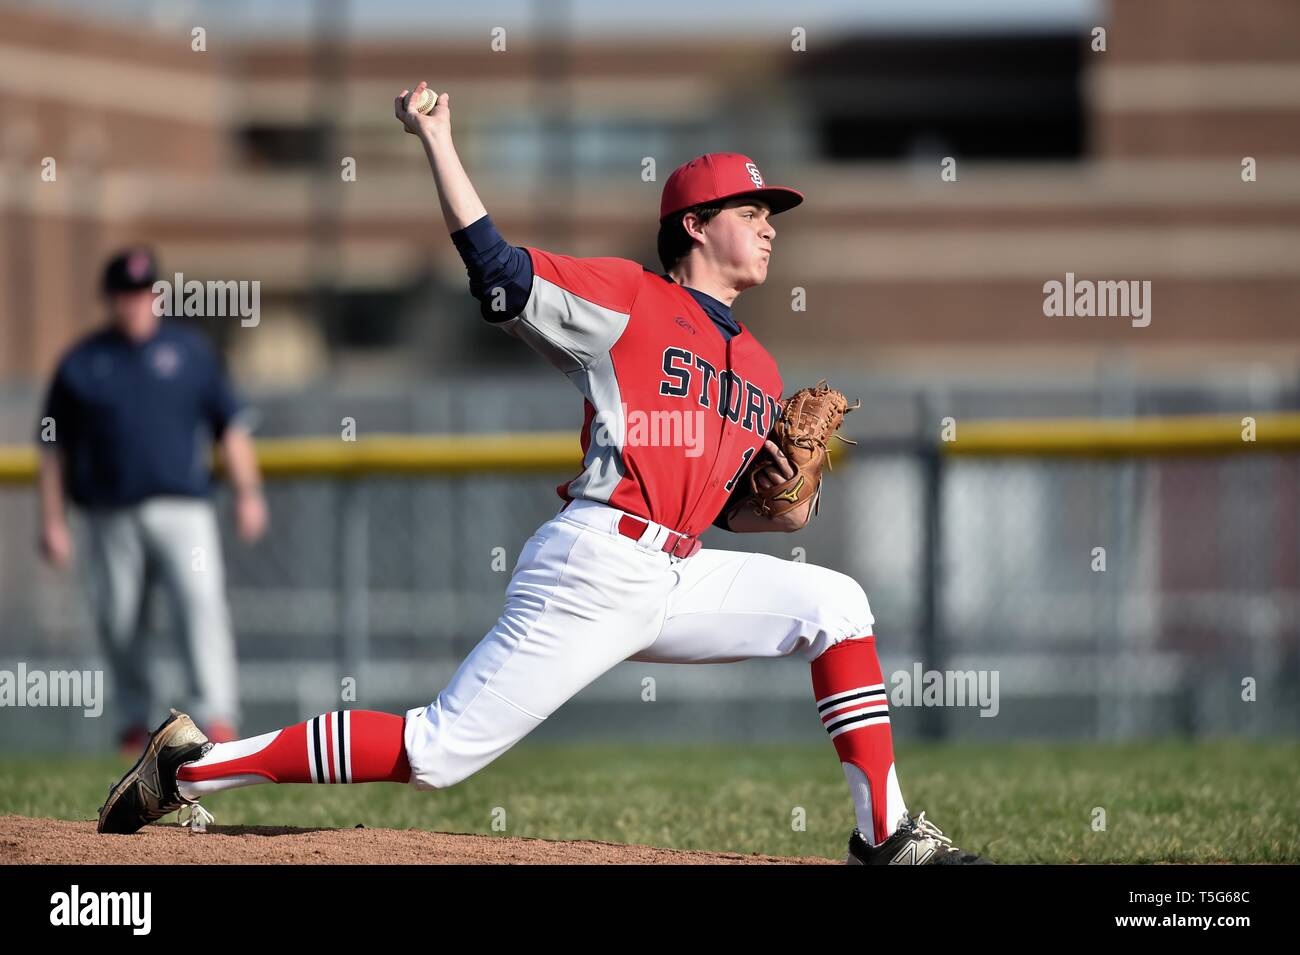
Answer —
(428, 99)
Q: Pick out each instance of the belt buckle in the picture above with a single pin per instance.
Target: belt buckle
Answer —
(692, 545)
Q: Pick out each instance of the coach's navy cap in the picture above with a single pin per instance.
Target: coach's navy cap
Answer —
(131, 270)
(718, 176)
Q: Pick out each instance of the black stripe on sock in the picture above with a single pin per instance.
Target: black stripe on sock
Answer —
(315, 736)
(856, 696)
(882, 717)
(338, 727)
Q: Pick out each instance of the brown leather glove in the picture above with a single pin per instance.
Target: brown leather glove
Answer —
(809, 418)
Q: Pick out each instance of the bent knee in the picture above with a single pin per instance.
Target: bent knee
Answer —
(844, 607)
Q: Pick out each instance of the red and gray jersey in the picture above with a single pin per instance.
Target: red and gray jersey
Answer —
(674, 412)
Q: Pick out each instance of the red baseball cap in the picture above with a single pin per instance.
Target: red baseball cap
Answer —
(716, 176)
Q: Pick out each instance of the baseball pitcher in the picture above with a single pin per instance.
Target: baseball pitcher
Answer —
(618, 574)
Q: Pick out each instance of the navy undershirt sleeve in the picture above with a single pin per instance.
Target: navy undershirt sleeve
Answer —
(741, 491)
(493, 264)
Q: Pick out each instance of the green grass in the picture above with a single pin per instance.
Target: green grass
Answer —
(1225, 801)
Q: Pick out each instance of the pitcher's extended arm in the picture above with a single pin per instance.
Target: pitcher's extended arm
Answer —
(460, 203)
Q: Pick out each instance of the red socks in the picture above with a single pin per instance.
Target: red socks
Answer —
(362, 746)
(346, 746)
(853, 704)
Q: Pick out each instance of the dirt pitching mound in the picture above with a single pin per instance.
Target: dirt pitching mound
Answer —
(25, 840)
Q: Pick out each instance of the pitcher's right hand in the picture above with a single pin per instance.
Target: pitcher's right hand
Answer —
(437, 120)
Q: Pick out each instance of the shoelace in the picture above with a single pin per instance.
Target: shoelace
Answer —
(198, 818)
(930, 831)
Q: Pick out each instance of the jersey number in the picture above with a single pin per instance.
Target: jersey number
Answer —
(744, 463)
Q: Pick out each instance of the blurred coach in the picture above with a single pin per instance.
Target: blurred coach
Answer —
(129, 419)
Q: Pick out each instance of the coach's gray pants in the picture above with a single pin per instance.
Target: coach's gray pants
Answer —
(174, 541)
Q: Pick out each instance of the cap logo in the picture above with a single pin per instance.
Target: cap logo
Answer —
(754, 174)
(137, 266)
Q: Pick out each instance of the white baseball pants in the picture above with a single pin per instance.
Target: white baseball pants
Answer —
(583, 598)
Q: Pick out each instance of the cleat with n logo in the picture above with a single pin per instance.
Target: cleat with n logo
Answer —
(915, 842)
(149, 791)
(913, 853)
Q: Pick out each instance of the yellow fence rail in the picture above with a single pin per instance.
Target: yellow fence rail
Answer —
(531, 452)
(537, 452)
(1126, 437)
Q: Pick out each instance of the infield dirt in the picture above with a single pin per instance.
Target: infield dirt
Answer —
(60, 841)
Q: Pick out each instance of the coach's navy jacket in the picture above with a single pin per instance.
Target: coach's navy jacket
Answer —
(135, 421)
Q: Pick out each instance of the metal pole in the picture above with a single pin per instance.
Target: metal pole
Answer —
(932, 723)
(330, 26)
(1117, 712)
(354, 581)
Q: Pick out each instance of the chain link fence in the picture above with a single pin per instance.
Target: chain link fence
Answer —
(1105, 599)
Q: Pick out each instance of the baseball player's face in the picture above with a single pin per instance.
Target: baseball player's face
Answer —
(741, 238)
(133, 315)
